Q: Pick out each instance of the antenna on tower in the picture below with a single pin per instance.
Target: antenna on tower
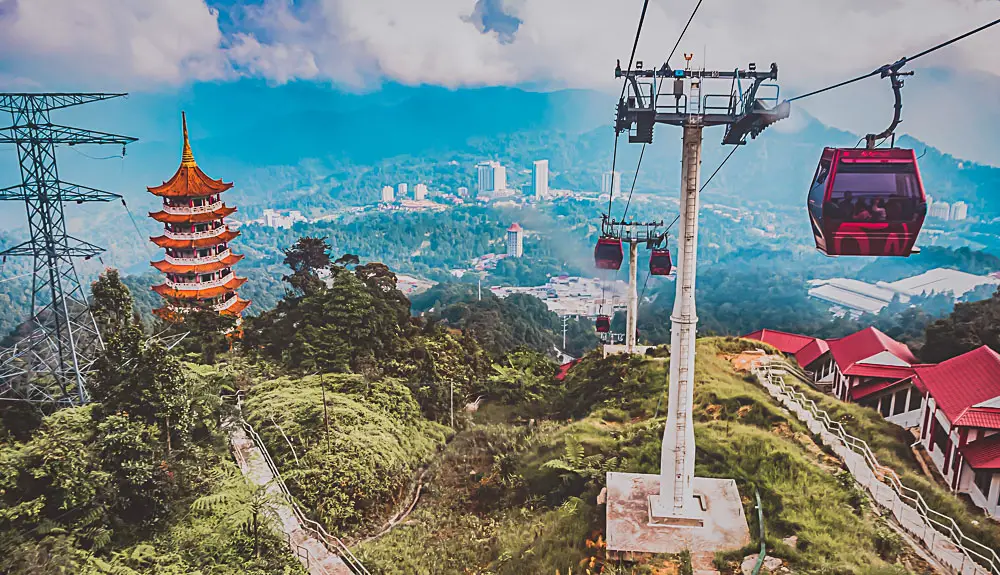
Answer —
(51, 364)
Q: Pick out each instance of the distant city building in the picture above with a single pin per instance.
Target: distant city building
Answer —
(515, 241)
(940, 210)
(387, 194)
(491, 178)
(275, 219)
(401, 191)
(463, 192)
(611, 183)
(419, 192)
(959, 211)
(540, 178)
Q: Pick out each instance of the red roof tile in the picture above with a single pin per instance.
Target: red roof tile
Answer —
(863, 344)
(862, 391)
(563, 370)
(983, 453)
(785, 342)
(811, 352)
(962, 382)
(881, 371)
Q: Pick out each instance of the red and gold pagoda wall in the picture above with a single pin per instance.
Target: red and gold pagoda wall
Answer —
(199, 262)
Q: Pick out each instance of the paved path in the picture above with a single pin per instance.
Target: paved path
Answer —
(313, 554)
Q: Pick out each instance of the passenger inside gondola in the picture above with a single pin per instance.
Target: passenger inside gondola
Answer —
(875, 192)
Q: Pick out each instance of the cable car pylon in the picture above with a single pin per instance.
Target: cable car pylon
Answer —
(684, 511)
(608, 254)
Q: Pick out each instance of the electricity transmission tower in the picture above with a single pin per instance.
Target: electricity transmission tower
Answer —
(50, 365)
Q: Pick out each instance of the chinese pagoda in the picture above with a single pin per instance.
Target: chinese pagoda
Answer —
(198, 262)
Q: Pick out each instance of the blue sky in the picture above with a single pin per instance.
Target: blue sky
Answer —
(167, 46)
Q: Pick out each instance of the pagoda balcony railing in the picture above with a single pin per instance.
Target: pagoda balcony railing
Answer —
(218, 307)
(199, 260)
(201, 285)
(195, 235)
(188, 210)
(226, 304)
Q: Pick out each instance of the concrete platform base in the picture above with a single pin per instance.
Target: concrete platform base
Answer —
(633, 532)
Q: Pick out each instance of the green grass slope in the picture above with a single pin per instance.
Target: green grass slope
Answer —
(511, 495)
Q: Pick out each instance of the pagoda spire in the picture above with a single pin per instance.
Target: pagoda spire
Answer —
(187, 157)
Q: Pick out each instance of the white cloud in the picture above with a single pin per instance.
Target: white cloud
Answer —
(162, 41)
(559, 43)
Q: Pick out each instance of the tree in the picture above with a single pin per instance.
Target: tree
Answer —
(111, 302)
(307, 257)
(970, 326)
(241, 504)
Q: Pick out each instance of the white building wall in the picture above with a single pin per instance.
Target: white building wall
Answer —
(540, 178)
(419, 192)
(959, 211)
(388, 194)
(401, 190)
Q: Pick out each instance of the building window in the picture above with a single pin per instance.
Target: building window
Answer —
(900, 404)
(940, 438)
(885, 406)
(983, 480)
(871, 403)
(915, 399)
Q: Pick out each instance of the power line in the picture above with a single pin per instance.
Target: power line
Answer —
(115, 157)
(142, 240)
(899, 63)
(631, 59)
(678, 43)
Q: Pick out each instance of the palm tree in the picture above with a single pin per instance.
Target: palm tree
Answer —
(241, 504)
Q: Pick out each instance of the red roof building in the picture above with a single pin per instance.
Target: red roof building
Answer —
(866, 367)
(198, 262)
(961, 423)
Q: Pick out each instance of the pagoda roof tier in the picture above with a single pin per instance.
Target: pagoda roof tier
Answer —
(171, 293)
(189, 181)
(223, 238)
(169, 218)
(237, 308)
(169, 268)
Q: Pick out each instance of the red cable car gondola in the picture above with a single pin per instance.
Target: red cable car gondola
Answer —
(867, 202)
(608, 253)
(603, 324)
(659, 262)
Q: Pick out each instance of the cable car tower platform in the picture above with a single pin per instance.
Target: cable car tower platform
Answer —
(674, 511)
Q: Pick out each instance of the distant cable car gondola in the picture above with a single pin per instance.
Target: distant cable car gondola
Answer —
(608, 253)
(867, 202)
(659, 262)
(603, 324)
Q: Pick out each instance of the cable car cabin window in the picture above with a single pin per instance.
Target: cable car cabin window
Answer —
(818, 188)
(875, 193)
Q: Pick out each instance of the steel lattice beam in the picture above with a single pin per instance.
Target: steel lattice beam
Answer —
(51, 364)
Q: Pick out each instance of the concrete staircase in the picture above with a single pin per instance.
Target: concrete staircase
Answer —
(317, 550)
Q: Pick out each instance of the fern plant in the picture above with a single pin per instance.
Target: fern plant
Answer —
(242, 505)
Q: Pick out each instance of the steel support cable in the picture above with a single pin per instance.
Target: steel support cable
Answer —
(634, 178)
(899, 63)
(702, 188)
(678, 43)
(631, 59)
